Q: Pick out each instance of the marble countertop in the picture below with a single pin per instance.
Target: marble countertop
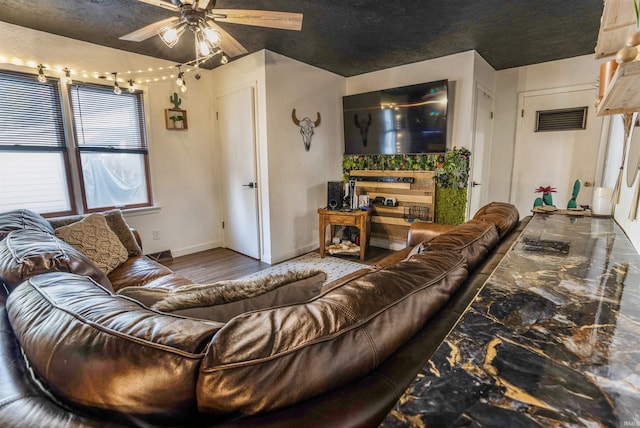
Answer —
(551, 340)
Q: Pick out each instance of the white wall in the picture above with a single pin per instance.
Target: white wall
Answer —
(181, 162)
(294, 180)
(298, 178)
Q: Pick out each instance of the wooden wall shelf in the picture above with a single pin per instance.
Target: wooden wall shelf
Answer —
(622, 95)
(389, 222)
(617, 23)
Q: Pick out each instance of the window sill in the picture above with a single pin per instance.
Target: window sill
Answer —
(134, 212)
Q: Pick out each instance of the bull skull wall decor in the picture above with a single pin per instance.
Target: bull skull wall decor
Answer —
(306, 126)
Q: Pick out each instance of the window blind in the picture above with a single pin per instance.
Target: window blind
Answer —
(104, 120)
(30, 113)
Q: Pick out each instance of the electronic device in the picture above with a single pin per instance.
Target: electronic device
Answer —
(334, 195)
(385, 179)
(353, 198)
(407, 119)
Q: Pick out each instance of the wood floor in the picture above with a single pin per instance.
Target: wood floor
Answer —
(219, 264)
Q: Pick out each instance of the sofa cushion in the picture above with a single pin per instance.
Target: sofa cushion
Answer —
(272, 358)
(25, 253)
(473, 239)
(504, 215)
(141, 271)
(116, 222)
(221, 302)
(93, 237)
(94, 349)
(22, 219)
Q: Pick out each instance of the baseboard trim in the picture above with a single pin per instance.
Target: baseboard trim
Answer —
(196, 248)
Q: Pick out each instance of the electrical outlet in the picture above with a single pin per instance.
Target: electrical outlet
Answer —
(156, 234)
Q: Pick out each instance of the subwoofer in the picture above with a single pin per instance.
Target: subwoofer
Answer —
(334, 195)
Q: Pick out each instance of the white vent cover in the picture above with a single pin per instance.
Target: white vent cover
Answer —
(568, 119)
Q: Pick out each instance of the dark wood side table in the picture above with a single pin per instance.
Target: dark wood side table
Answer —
(360, 219)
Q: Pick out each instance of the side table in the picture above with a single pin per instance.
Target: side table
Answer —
(360, 219)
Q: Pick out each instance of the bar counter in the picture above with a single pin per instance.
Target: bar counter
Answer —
(551, 340)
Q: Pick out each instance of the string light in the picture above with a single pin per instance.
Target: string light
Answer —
(116, 88)
(67, 76)
(41, 77)
(147, 75)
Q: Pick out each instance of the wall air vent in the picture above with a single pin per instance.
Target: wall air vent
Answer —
(568, 119)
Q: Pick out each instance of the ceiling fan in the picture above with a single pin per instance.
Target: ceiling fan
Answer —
(200, 17)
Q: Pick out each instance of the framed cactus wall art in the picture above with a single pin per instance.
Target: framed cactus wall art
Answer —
(175, 119)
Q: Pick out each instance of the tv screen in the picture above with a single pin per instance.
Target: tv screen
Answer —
(408, 119)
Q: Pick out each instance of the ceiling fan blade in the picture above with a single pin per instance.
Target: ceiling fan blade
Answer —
(202, 4)
(162, 3)
(150, 30)
(259, 18)
(228, 44)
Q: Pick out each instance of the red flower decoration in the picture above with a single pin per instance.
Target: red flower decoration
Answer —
(545, 190)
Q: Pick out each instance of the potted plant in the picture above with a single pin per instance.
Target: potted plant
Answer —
(178, 121)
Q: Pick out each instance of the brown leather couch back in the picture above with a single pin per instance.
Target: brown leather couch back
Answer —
(23, 219)
(268, 359)
(25, 253)
(106, 352)
(473, 239)
(504, 215)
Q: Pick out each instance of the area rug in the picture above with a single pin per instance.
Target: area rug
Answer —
(334, 267)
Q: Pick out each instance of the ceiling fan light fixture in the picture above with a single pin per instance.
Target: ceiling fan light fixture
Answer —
(171, 34)
(203, 44)
(212, 35)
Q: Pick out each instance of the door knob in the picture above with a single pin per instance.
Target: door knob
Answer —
(588, 184)
(474, 184)
(251, 185)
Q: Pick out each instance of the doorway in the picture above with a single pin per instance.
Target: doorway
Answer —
(482, 131)
(556, 154)
(238, 171)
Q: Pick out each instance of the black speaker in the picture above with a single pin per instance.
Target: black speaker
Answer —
(334, 195)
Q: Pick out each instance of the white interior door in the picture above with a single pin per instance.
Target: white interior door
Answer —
(237, 137)
(483, 126)
(555, 158)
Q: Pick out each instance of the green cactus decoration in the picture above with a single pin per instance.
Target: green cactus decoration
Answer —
(175, 100)
(576, 189)
(546, 199)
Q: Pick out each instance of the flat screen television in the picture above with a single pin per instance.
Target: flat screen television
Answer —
(404, 120)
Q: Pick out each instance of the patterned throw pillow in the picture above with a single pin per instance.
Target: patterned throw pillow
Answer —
(93, 238)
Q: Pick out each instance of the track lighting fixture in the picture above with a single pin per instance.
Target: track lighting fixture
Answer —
(41, 77)
(132, 86)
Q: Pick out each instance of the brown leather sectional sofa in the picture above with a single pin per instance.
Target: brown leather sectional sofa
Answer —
(77, 351)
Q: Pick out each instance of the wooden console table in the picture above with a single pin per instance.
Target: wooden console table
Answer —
(359, 219)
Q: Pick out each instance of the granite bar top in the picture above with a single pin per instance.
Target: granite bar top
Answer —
(551, 340)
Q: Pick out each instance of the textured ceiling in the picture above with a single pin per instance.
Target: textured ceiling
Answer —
(347, 37)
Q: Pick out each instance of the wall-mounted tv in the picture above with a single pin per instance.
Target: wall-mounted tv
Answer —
(408, 119)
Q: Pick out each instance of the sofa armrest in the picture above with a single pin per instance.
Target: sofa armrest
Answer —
(421, 231)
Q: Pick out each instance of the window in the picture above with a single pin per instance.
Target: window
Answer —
(111, 146)
(36, 168)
